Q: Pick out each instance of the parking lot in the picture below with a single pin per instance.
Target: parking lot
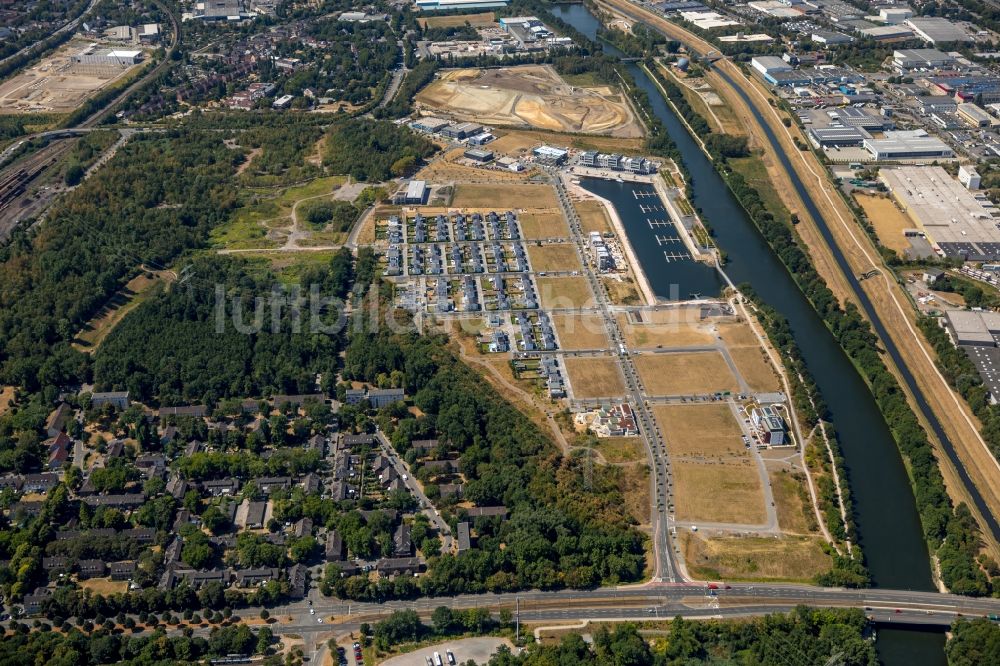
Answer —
(478, 649)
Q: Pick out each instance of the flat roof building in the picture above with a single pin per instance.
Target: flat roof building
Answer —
(906, 59)
(907, 148)
(828, 137)
(416, 192)
(770, 64)
(478, 155)
(974, 115)
(937, 30)
(955, 222)
(974, 329)
(887, 33)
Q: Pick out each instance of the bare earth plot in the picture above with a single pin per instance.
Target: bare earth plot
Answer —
(888, 220)
(540, 225)
(532, 96)
(594, 377)
(56, 84)
(718, 493)
(475, 20)
(580, 331)
(518, 143)
(685, 373)
(504, 196)
(754, 558)
(564, 292)
(707, 430)
(553, 257)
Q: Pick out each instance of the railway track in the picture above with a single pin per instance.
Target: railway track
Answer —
(16, 180)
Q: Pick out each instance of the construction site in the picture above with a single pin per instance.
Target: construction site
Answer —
(62, 81)
(529, 96)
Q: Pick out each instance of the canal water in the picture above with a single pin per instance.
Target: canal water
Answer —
(655, 240)
(888, 524)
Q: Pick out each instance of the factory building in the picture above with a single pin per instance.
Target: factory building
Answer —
(936, 30)
(108, 57)
(956, 222)
(479, 155)
(837, 137)
(973, 115)
(907, 148)
(906, 59)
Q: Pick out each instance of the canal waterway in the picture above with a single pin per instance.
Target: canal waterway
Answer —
(889, 527)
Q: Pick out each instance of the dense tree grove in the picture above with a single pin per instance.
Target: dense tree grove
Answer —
(76, 648)
(951, 530)
(973, 642)
(174, 348)
(159, 196)
(372, 150)
(805, 636)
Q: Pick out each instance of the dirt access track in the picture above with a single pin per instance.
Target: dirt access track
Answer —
(888, 299)
(529, 96)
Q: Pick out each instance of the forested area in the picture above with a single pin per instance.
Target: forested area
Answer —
(374, 150)
(951, 530)
(103, 646)
(159, 196)
(812, 636)
(186, 346)
(973, 643)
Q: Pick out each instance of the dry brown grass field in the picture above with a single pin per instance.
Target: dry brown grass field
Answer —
(592, 377)
(593, 216)
(621, 449)
(475, 20)
(518, 143)
(755, 368)
(553, 257)
(794, 515)
(701, 430)
(580, 331)
(718, 493)
(680, 334)
(888, 220)
(543, 224)
(504, 196)
(685, 373)
(796, 559)
(564, 292)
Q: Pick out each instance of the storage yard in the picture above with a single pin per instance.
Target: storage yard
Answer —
(60, 83)
(532, 96)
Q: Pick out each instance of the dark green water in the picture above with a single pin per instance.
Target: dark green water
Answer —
(888, 523)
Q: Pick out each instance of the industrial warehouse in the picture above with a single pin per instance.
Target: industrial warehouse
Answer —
(976, 333)
(955, 221)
